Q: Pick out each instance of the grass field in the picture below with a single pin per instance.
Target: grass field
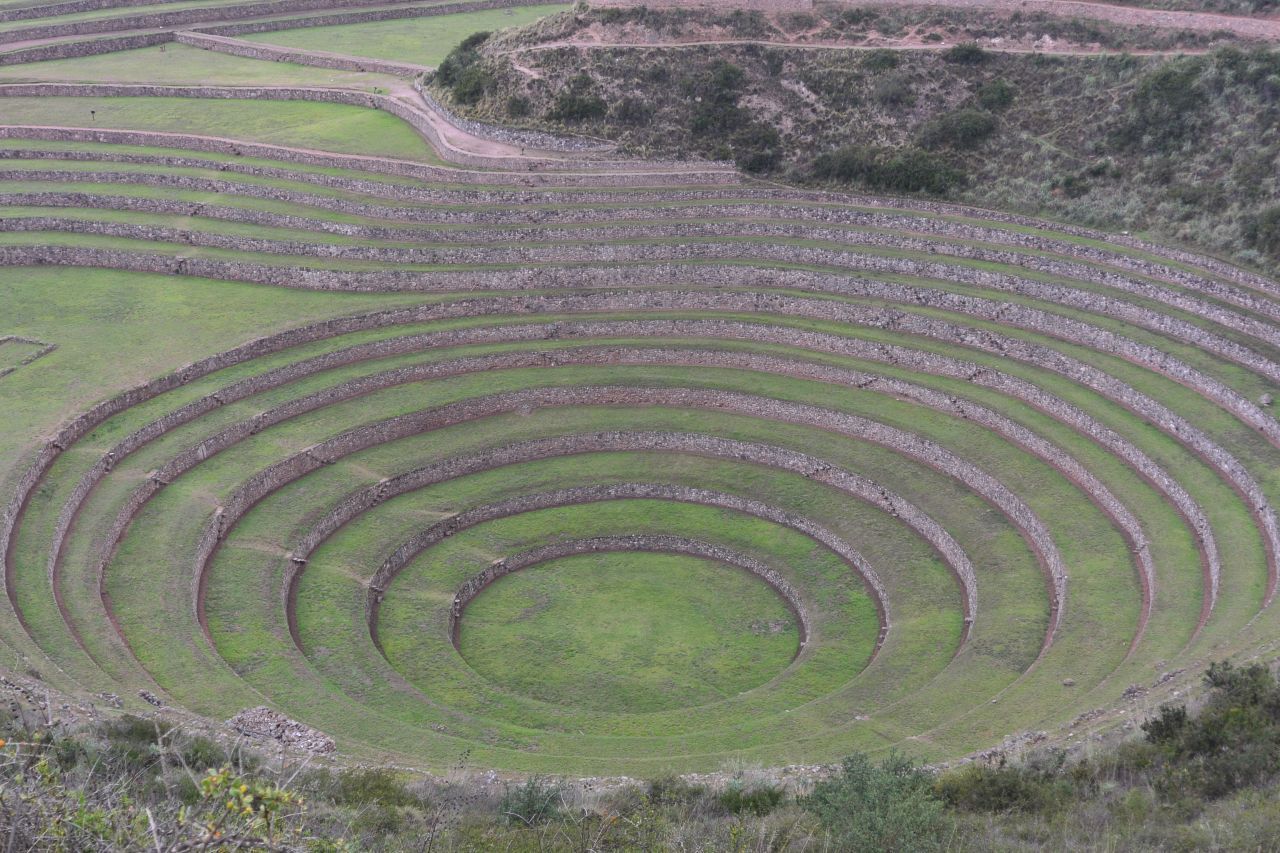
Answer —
(422, 41)
(301, 124)
(988, 522)
(180, 65)
(635, 632)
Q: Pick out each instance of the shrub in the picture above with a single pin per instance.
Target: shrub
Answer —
(460, 59)
(1262, 232)
(996, 95)
(671, 790)
(201, 753)
(578, 102)
(632, 110)
(133, 742)
(1234, 742)
(881, 59)
(1166, 107)
(716, 95)
(758, 799)
(888, 806)
(910, 170)
(838, 87)
(359, 787)
(534, 802)
(965, 54)
(1030, 788)
(518, 106)
(757, 147)
(961, 129)
(472, 85)
(461, 71)
(1072, 186)
(893, 90)
(858, 17)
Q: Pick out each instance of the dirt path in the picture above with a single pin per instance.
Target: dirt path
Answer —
(1258, 28)
(876, 44)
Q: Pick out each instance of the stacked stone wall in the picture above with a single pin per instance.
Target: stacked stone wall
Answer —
(990, 378)
(392, 13)
(314, 58)
(512, 136)
(624, 173)
(719, 5)
(630, 543)
(274, 477)
(741, 226)
(87, 47)
(710, 276)
(71, 7)
(602, 251)
(183, 17)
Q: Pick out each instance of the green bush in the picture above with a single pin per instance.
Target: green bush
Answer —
(996, 95)
(518, 106)
(888, 806)
(909, 170)
(881, 59)
(472, 85)
(715, 97)
(461, 71)
(1071, 186)
(965, 54)
(578, 102)
(1167, 106)
(757, 799)
(632, 110)
(536, 801)
(757, 147)
(201, 753)
(1262, 232)
(1233, 743)
(893, 90)
(672, 790)
(962, 129)
(358, 787)
(460, 59)
(1030, 788)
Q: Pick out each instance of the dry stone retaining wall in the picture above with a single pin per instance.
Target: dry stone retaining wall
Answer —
(1052, 455)
(182, 17)
(71, 7)
(1225, 271)
(1033, 319)
(85, 47)
(315, 58)
(596, 252)
(388, 13)
(274, 477)
(738, 227)
(531, 138)
(701, 227)
(990, 378)
(653, 543)
(597, 172)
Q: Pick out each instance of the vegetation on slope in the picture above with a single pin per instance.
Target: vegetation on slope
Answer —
(1196, 780)
(1186, 148)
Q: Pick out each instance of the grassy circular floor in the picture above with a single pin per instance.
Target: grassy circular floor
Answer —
(628, 632)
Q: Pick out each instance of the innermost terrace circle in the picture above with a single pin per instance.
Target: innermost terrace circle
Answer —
(629, 631)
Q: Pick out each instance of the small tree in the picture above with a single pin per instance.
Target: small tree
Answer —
(888, 806)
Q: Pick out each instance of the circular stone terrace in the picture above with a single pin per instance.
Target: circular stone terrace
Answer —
(583, 464)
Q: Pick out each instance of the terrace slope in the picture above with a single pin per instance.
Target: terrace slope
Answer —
(310, 408)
